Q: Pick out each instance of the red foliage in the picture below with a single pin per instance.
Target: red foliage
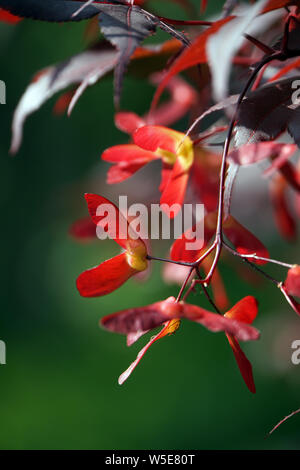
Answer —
(138, 321)
(113, 273)
(221, 58)
(7, 17)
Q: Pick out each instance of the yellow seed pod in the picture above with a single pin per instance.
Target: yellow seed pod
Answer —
(137, 254)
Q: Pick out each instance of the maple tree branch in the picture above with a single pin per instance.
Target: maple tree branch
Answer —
(165, 260)
(184, 285)
(206, 293)
(279, 284)
(263, 47)
(283, 421)
(206, 253)
(185, 22)
(253, 266)
(204, 288)
(266, 60)
(209, 298)
(191, 288)
(218, 243)
(259, 258)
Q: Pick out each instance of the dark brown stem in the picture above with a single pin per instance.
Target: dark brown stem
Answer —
(253, 266)
(202, 257)
(206, 293)
(290, 299)
(164, 260)
(258, 258)
(219, 230)
(266, 60)
(263, 47)
(284, 419)
(184, 285)
(210, 299)
(185, 22)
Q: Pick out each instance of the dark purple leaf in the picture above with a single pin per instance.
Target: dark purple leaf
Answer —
(135, 320)
(49, 10)
(141, 319)
(267, 112)
(293, 38)
(224, 44)
(254, 153)
(126, 27)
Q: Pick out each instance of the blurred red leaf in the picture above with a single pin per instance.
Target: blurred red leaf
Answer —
(243, 363)
(292, 282)
(83, 229)
(283, 217)
(146, 318)
(245, 310)
(180, 250)
(105, 278)
(193, 55)
(243, 240)
(256, 152)
(7, 17)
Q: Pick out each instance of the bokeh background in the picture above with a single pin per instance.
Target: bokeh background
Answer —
(59, 387)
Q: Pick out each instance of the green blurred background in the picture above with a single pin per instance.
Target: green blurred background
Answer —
(59, 387)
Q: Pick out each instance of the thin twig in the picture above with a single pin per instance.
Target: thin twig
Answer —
(185, 22)
(259, 258)
(165, 260)
(184, 285)
(254, 266)
(207, 295)
(283, 421)
(219, 230)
